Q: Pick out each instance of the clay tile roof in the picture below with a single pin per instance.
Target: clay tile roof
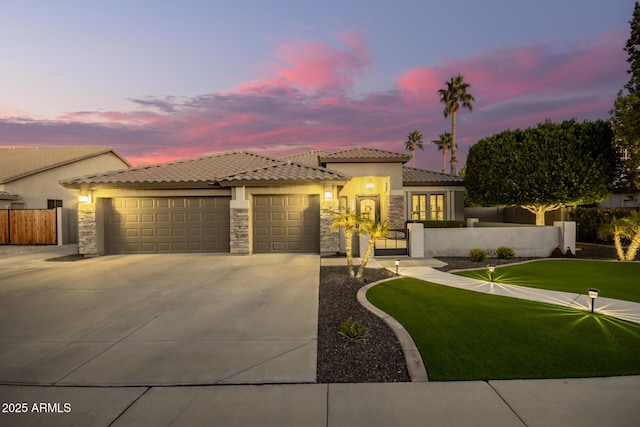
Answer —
(412, 176)
(19, 162)
(200, 169)
(287, 172)
(231, 166)
(310, 158)
(364, 155)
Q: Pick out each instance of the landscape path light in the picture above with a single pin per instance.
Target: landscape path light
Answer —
(491, 269)
(593, 294)
(397, 263)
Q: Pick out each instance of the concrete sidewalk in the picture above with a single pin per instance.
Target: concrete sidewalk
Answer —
(594, 402)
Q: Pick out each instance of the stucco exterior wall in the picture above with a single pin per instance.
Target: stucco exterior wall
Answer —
(525, 241)
(391, 170)
(34, 190)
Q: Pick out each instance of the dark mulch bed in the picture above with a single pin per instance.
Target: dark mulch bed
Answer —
(380, 359)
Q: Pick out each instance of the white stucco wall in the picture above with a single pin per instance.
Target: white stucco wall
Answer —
(525, 241)
(35, 190)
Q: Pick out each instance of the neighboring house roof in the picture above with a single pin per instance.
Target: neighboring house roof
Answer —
(310, 158)
(413, 177)
(7, 195)
(234, 167)
(19, 162)
(364, 155)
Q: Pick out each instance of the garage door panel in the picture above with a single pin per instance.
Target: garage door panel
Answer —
(166, 225)
(286, 223)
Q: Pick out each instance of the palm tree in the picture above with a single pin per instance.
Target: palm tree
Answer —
(347, 220)
(414, 140)
(375, 230)
(627, 229)
(455, 96)
(443, 142)
(616, 229)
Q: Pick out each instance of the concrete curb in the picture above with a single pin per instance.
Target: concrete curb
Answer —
(415, 365)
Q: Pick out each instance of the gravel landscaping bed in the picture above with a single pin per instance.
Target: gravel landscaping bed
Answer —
(380, 358)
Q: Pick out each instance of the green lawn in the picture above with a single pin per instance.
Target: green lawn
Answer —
(465, 335)
(619, 280)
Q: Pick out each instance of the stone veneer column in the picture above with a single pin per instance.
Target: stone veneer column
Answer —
(87, 229)
(239, 232)
(396, 211)
(329, 239)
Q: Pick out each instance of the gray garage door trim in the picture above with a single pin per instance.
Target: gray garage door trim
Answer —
(286, 223)
(167, 224)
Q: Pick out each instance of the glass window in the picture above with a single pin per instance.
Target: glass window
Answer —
(436, 207)
(419, 207)
(52, 204)
(427, 207)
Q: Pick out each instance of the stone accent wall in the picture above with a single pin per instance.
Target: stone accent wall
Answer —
(239, 233)
(329, 239)
(396, 211)
(87, 230)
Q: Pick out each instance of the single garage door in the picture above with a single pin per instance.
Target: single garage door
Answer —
(286, 223)
(167, 225)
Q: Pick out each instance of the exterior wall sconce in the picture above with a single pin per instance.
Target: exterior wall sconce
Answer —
(491, 268)
(328, 195)
(85, 198)
(593, 294)
(397, 264)
(369, 185)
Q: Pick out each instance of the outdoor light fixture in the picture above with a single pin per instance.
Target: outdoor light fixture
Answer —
(369, 185)
(85, 198)
(328, 195)
(397, 263)
(491, 269)
(593, 294)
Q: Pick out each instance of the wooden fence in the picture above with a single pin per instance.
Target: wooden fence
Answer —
(28, 227)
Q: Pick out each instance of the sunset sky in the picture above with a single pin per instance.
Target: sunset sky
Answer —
(163, 80)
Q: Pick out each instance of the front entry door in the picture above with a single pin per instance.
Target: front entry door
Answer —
(369, 207)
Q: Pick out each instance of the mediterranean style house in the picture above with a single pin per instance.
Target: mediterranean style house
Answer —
(244, 203)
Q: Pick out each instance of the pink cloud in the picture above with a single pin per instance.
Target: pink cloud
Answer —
(316, 65)
(305, 101)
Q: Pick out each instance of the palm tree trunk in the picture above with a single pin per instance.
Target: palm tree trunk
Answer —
(348, 248)
(444, 159)
(617, 241)
(367, 255)
(413, 156)
(632, 250)
(454, 160)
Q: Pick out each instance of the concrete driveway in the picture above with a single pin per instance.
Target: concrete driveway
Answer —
(159, 319)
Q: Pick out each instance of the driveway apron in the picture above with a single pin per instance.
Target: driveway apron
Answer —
(159, 320)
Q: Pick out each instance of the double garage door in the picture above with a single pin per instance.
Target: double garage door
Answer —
(167, 225)
(281, 223)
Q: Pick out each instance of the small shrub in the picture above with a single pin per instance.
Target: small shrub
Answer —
(477, 255)
(505, 252)
(353, 331)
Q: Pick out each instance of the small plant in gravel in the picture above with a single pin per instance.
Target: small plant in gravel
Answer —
(505, 252)
(477, 255)
(353, 331)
